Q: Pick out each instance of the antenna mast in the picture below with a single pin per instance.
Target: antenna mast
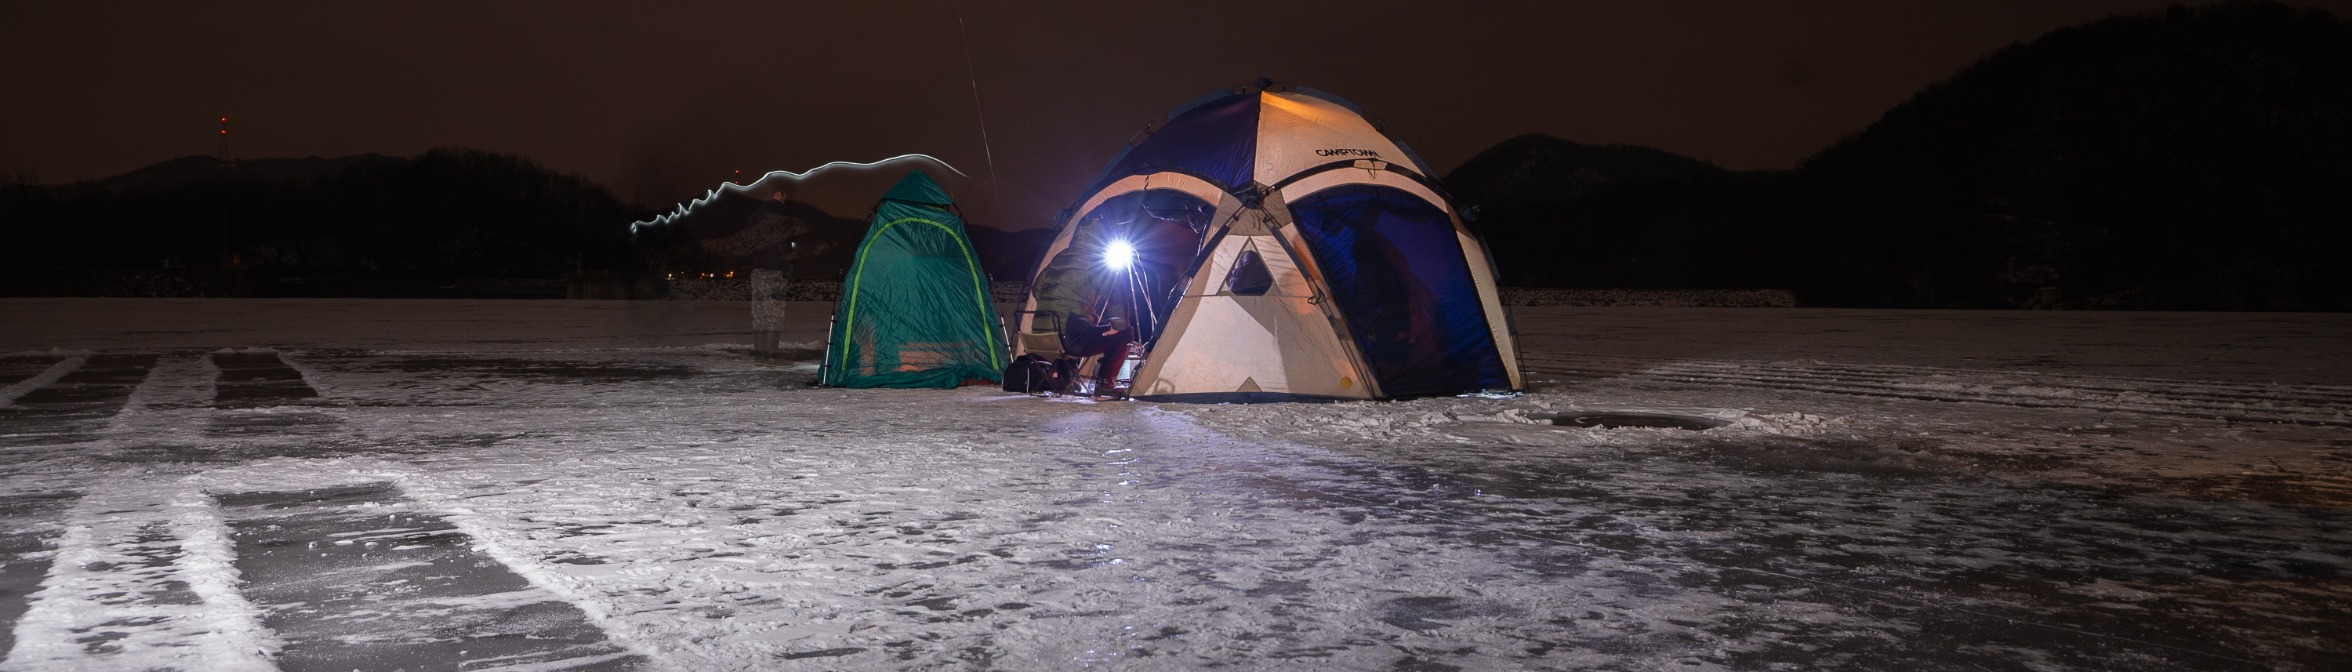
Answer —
(974, 74)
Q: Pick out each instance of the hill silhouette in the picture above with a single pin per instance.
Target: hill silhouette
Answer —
(1537, 169)
(358, 225)
(449, 222)
(2194, 158)
(1561, 213)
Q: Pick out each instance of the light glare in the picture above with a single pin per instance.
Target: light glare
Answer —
(1119, 255)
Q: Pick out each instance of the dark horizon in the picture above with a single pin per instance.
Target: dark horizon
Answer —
(663, 104)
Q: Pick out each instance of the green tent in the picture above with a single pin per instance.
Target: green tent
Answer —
(914, 310)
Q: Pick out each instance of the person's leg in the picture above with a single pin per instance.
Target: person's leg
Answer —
(1106, 371)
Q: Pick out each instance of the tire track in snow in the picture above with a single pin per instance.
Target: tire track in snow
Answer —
(495, 541)
(2316, 405)
(124, 591)
(169, 398)
(76, 406)
(30, 529)
(16, 367)
(9, 394)
(254, 391)
(257, 378)
(358, 575)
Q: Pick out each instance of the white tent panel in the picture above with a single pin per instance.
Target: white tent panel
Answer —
(1274, 344)
(1280, 343)
(1298, 131)
(1288, 279)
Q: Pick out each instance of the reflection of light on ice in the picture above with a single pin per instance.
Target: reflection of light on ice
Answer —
(785, 176)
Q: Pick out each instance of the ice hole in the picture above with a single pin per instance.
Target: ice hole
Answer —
(1621, 420)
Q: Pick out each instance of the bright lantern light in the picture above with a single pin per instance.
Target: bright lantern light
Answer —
(1119, 255)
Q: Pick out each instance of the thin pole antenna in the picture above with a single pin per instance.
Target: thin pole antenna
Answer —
(966, 40)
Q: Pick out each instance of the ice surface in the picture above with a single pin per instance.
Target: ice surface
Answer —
(1888, 489)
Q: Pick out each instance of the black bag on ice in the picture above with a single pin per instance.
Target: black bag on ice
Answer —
(1030, 374)
(1065, 373)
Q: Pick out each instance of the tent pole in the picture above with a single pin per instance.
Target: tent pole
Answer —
(1511, 321)
(1006, 335)
(825, 361)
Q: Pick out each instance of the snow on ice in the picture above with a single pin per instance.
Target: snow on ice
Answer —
(617, 486)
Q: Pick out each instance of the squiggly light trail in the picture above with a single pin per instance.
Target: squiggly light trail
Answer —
(786, 175)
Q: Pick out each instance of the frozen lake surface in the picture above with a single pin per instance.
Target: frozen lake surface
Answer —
(487, 485)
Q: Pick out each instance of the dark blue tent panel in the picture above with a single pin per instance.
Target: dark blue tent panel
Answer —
(1216, 140)
(1398, 277)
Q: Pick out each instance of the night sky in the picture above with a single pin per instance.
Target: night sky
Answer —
(664, 100)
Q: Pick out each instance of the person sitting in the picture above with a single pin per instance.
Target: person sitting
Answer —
(1087, 337)
(1108, 340)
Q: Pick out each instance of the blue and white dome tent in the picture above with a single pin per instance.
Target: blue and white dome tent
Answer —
(1283, 247)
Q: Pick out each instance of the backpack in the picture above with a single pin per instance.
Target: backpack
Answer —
(1031, 374)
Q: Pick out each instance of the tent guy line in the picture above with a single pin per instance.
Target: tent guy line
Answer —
(785, 175)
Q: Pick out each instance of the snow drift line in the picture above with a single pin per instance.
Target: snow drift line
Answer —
(210, 567)
(175, 382)
(2133, 383)
(2301, 405)
(428, 496)
(310, 376)
(106, 579)
(9, 395)
(492, 540)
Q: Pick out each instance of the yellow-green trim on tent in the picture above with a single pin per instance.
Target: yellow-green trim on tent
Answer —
(971, 262)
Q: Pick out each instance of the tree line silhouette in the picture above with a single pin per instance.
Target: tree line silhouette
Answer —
(360, 225)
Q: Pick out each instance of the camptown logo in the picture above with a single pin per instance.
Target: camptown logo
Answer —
(1347, 152)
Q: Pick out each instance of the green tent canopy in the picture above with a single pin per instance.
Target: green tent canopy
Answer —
(914, 310)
